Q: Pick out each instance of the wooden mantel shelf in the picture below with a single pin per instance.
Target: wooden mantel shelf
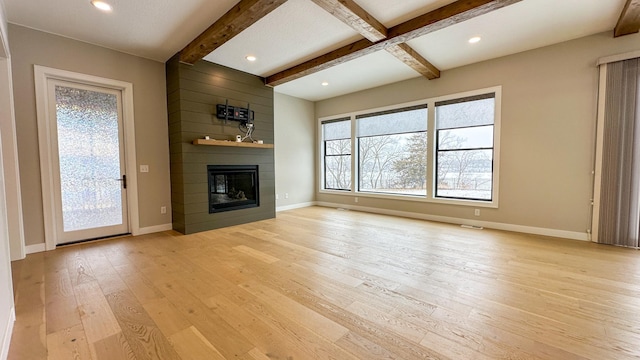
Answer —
(212, 142)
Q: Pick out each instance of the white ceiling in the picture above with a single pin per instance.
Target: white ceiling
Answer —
(299, 30)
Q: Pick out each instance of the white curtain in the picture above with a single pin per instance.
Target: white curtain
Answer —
(619, 222)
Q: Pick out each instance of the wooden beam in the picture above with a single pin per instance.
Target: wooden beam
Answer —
(241, 16)
(346, 53)
(629, 21)
(438, 19)
(410, 57)
(353, 15)
(360, 20)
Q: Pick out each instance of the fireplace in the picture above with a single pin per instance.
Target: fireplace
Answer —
(233, 187)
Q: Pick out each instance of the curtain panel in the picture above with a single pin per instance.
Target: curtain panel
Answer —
(620, 188)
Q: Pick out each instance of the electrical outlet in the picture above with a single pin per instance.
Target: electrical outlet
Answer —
(476, 212)
(277, 197)
(355, 199)
(163, 209)
(286, 195)
(144, 168)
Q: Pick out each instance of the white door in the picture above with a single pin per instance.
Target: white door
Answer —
(86, 128)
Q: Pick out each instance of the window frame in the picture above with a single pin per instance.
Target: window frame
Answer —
(431, 152)
(438, 150)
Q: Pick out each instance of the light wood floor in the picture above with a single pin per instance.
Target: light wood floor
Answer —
(320, 283)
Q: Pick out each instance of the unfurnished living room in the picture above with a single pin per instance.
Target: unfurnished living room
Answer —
(319, 179)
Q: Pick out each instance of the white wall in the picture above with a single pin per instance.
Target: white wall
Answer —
(548, 129)
(294, 127)
(7, 313)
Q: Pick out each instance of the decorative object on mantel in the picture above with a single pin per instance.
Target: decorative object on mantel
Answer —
(213, 142)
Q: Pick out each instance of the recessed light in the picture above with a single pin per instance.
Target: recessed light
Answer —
(475, 39)
(324, 83)
(101, 5)
(251, 58)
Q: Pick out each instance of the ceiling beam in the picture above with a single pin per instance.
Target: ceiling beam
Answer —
(629, 21)
(353, 15)
(410, 57)
(368, 26)
(438, 19)
(244, 14)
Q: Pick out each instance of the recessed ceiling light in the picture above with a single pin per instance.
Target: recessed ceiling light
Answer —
(324, 83)
(251, 58)
(101, 5)
(474, 39)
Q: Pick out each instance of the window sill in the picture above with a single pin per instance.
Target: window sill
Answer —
(414, 198)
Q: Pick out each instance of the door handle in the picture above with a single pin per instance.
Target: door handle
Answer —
(124, 181)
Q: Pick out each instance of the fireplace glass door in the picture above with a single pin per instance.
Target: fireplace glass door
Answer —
(233, 187)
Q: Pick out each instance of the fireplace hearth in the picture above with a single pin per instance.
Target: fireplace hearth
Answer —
(233, 187)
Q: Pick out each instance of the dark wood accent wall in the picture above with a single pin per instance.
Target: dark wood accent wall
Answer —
(192, 93)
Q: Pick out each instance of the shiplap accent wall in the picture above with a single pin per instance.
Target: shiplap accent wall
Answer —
(193, 92)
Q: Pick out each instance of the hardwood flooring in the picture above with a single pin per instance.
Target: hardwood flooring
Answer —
(320, 283)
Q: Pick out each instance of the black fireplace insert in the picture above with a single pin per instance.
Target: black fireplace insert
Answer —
(233, 187)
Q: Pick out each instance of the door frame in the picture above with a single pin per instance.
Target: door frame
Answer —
(42, 75)
(598, 153)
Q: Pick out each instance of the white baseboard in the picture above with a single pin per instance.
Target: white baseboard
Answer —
(35, 248)
(21, 254)
(6, 340)
(154, 229)
(487, 224)
(295, 206)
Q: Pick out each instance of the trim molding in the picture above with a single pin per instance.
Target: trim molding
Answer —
(35, 248)
(295, 206)
(598, 154)
(153, 229)
(618, 57)
(4, 36)
(487, 224)
(6, 340)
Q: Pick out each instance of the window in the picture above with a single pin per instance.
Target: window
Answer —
(336, 136)
(445, 150)
(392, 151)
(464, 153)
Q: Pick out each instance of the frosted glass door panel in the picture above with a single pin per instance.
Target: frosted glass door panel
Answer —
(90, 155)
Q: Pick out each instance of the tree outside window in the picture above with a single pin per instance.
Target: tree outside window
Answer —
(392, 155)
